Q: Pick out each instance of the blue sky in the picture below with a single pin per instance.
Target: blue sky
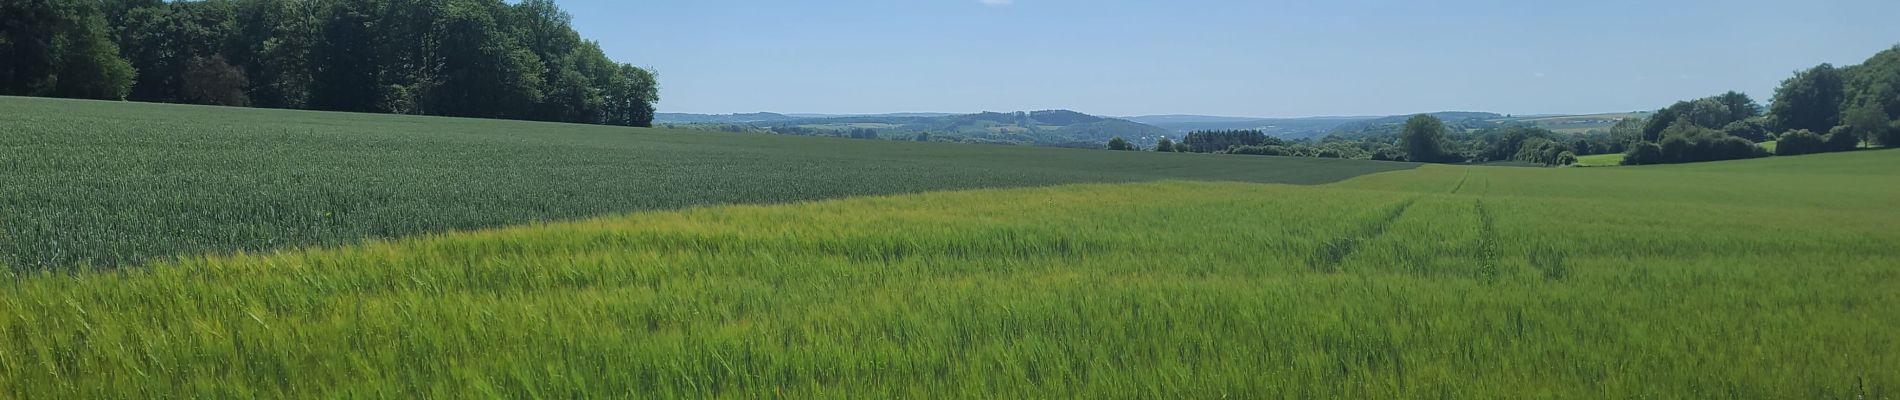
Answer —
(1224, 57)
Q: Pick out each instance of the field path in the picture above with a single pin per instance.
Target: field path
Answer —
(1328, 256)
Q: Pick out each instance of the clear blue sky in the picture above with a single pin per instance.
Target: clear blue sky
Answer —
(1224, 57)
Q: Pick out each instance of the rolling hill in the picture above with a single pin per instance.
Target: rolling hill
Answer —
(1057, 128)
(1285, 128)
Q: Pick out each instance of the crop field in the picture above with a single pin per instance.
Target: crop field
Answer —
(108, 184)
(1766, 278)
(1577, 123)
(1601, 160)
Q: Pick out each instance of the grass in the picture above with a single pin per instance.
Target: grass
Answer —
(110, 184)
(1601, 160)
(1769, 278)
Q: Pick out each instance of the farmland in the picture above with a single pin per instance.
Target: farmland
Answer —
(1601, 160)
(1215, 277)
(108, 184)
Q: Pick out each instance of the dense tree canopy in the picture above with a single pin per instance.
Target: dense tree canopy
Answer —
(1810, 100)
(1213, 141)
(59, 48)
(473, 58)
(1423, 139)
(1713, 112)
(1164, 145)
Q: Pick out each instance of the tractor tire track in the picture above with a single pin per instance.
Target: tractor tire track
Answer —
(1461, 181)
(1487, 244)
(1330, 254)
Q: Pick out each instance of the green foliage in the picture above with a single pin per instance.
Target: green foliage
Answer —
(1629, 131)
(119, 183)
(1869, 123)
(1546, 152)
(1810, 100)
(1268, 150)
(1215, 141)
(1687, 142)
(1800, 141)
(1509, 143)
(1714, 112)
(1893, 135)
(1663, 282)
(1842, 138)
(474, 58)
(1644, 153)
(1117, 143)
(1754, 129)
(1423, 139)
(59, 48)
(1875, 84)
(215, 81)
(1164, 145)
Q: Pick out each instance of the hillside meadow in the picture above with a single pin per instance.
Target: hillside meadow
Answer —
(1770, 278)
(90, 184)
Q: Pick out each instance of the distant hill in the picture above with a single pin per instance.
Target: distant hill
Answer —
(1074, 129)
(893, 115)
(1287, 128)
(1455, 120)
(1583, 123)
(1062, 128)
(683, 118)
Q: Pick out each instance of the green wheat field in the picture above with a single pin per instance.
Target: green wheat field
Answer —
(158, 251)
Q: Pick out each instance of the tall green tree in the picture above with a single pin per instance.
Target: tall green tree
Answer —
(629, 97)
(162, 41)
(486, 73)
(1873, 91)
(1423, 139)
(1868, 122)
(1810, 100)
(344, 61)
(477, 58)
(59, 48)
(1713, 112)
(273, 41)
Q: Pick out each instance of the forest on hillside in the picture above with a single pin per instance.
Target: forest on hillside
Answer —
(1818, 110)
(464, 58)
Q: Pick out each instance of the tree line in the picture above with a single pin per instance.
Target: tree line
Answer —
(1820, 109)
(465, 58)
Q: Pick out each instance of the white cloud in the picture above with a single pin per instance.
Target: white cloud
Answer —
(996, 2)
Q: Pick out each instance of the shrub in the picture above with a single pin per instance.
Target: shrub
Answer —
(1798, 142)
(1842, 138)
(1268, 150)
(1892, 137)
(1683, 143)
(1643, 153)
(1753, 129)
(1567, 158)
